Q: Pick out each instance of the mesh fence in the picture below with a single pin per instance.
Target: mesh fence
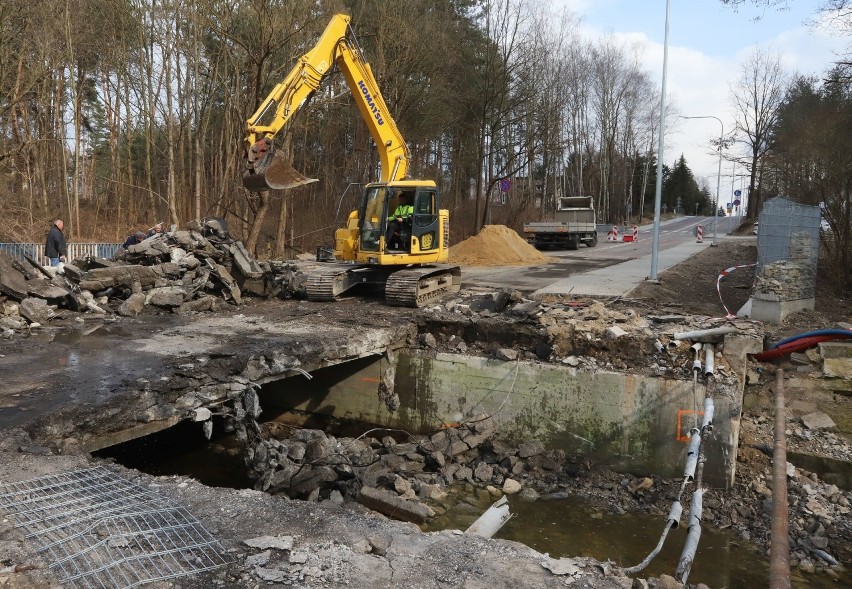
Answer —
(787, 250)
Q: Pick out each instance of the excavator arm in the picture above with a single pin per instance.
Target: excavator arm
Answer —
(267, 168)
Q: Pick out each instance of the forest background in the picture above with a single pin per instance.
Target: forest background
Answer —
(116, 114)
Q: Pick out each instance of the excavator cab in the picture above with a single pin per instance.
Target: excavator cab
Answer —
(418, 232)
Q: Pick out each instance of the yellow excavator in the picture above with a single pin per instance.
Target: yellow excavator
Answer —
(407, 257)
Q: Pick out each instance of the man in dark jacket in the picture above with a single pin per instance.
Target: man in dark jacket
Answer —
(55, 247)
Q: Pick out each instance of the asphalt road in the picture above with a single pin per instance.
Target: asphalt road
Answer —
(673, 234)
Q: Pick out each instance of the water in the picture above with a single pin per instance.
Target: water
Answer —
(574, 527)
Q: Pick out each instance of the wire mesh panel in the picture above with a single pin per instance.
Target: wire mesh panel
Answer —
(787, 250)
(99, 530)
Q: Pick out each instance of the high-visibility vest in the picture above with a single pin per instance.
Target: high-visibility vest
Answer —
(402, 211)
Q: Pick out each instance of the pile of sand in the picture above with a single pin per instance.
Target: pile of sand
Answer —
(496, 245)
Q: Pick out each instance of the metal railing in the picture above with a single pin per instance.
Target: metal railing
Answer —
(35, 251)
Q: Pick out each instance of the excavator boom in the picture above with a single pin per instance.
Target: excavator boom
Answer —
(268, 168)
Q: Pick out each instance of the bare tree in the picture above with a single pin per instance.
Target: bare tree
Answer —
(757, 98)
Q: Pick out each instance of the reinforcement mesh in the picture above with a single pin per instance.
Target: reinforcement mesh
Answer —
(99, 530)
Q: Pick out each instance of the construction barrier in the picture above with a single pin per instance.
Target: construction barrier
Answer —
(613, 234)
(699, 232)
(635, 233)
(722, 275)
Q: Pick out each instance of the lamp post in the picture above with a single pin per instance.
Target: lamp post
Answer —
(655, 238)
(719, 173)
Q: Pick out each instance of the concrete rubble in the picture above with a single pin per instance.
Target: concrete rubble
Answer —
(195, 269)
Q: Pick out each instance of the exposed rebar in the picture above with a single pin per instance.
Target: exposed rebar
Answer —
(779, 545)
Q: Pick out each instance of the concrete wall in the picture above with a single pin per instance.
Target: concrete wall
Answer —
(634, 423)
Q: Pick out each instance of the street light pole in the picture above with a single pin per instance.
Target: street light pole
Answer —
(719, 173)
(658, 193)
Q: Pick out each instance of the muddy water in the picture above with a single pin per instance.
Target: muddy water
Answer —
(573, 527)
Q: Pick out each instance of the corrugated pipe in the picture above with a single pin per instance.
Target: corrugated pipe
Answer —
(705, 333)
(687, 557)
(840, 333)
(692, 454)
(709, 359)
(709, 409)
(779, 544)
(673, 520)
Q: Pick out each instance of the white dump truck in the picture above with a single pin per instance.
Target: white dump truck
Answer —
(573, 223)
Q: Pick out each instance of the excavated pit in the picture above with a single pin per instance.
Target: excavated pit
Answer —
(478, 392)
(582, 415)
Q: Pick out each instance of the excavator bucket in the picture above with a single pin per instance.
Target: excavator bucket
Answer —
(271, 170)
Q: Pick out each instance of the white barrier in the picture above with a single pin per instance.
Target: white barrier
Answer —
(75, 250)
(613, 234)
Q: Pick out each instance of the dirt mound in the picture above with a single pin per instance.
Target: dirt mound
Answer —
(496, 245)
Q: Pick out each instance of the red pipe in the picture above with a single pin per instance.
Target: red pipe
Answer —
(794, 346)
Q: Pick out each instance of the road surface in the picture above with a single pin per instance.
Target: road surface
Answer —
(677, 242)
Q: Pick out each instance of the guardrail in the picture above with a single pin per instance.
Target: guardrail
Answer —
(75, 250)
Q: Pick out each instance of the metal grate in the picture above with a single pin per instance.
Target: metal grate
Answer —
(99, 530)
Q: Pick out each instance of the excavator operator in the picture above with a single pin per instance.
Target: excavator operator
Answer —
(397, 221)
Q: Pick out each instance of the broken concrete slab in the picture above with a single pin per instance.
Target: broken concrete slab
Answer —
(818, 421)
(103, 278)
(837, 359)
(615, 332)
(202, 304)
(12, 280)
(133, 306)
(169, 296)
(243, 262)
(35, 310)
(394, 506)
(267, 542)
(46, 290)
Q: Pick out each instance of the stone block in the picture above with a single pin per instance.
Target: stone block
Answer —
(168, 296)
(133, 306)
(507, 354)
(818, 421)
(615, 332)
(34, 310)
(394, 506)
(511, 487)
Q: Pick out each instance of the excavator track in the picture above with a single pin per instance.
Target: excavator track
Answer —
(327, 283)
(415, 287)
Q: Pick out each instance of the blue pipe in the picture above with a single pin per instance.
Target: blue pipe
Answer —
(840, 332)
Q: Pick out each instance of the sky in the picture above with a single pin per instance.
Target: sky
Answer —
(708, 43)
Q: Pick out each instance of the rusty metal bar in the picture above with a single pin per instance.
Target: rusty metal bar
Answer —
(779, 546)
